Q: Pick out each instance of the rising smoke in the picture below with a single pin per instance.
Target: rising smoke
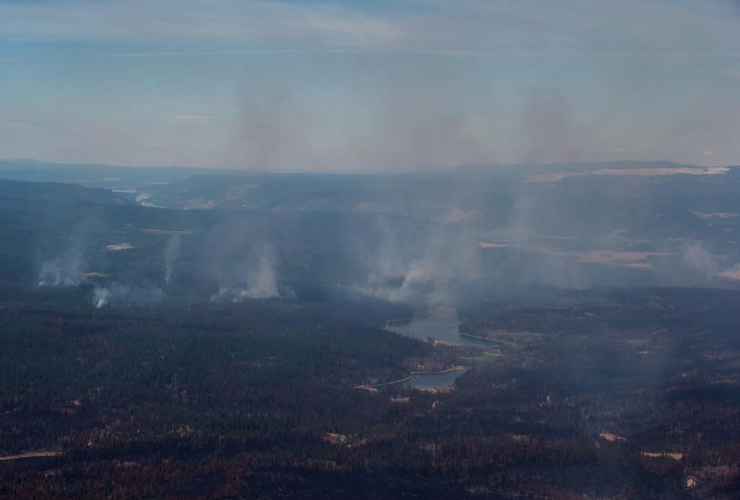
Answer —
(444, 257)
(68, 268)
(119, 294)
(170, 255)
(253, 278)
(696, 258)
(101, 296)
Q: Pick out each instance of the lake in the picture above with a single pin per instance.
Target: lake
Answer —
(440, 380)
(441, 324)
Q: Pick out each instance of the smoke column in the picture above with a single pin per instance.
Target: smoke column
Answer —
(170, 255)
(101, 296)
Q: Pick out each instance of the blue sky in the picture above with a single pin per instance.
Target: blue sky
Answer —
(341, 85)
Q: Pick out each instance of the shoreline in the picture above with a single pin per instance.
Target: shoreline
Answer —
(467, 335)
(371, 387)
(400, 320)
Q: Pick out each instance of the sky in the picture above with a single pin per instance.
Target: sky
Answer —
(369, 85)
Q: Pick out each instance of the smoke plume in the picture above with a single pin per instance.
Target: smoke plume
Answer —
(67, 269)
(170, 255)
(126, 295)
(254, 279)
(101, 296)
(447, 255)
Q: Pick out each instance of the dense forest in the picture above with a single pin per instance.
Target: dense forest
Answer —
(237, 353)
(622, 395)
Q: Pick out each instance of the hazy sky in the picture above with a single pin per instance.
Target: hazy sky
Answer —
(342, 85)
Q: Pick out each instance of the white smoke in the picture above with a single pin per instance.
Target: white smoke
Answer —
(101, 296)
(56, 273)
(68, 268)
(698, 259)
(446, 256)
(126, 295)
(259, 281)
(170, 256)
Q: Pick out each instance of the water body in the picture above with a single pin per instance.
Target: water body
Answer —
(440, 324)
(422, 380)
(443, 325)
(442, 380)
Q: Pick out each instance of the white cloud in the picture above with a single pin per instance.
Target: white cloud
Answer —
(196, 19)
(637, 79)
(652, 28)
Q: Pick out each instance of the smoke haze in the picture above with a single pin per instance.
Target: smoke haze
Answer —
(347, 86)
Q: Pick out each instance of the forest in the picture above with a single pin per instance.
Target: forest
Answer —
(618, 395)
(235, 353)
